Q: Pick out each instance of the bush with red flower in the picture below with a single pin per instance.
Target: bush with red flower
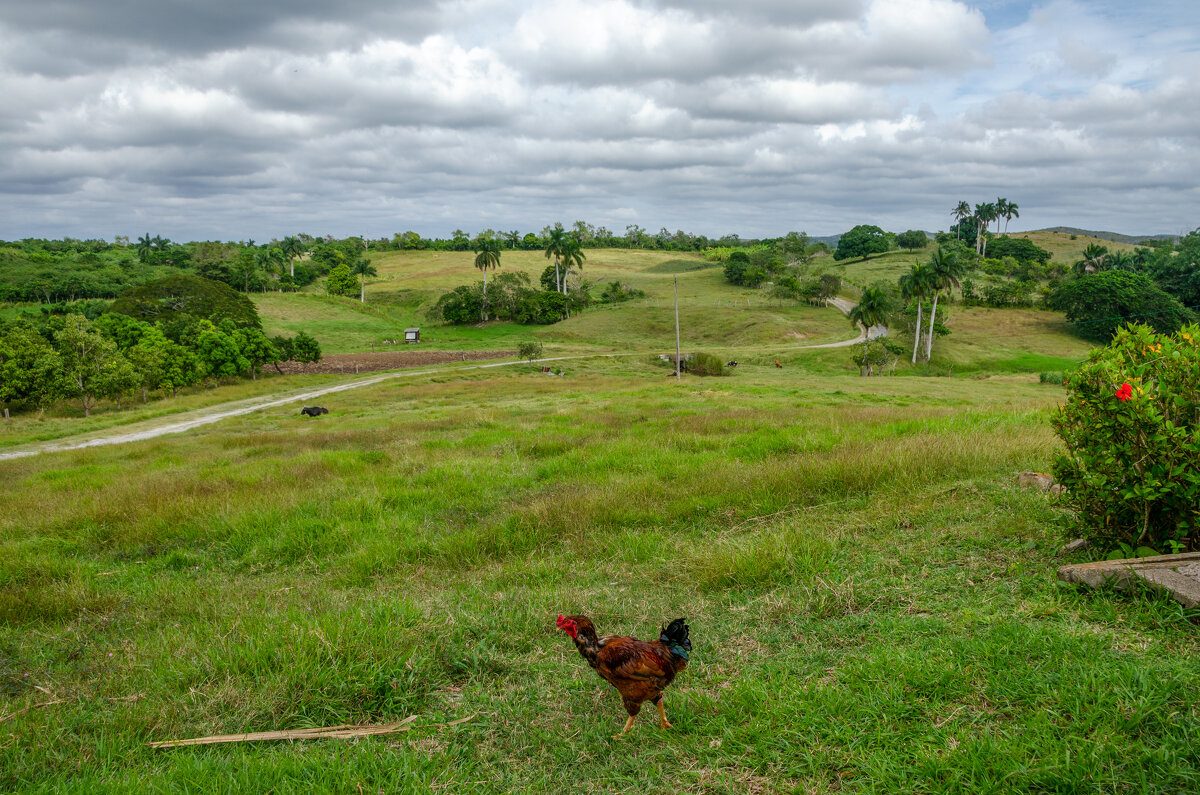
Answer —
(1131, 426)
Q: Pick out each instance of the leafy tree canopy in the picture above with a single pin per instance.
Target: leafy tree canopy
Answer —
(166, 299)
(1101, 303)
(912, 239)
(1019, 248)
(861, 241)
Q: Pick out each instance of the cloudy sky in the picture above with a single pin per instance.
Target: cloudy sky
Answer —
(232, 119)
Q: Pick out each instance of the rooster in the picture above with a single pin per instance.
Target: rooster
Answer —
(639, 670)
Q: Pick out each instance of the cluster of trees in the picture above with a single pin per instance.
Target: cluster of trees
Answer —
(1156, 284)
(56, 271)
(783, 261)
(71, 357)
(972, 225)
(865, 239)
(511, 296)
(927, 282)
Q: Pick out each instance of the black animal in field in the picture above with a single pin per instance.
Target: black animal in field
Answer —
(313, 411)
(732, 364)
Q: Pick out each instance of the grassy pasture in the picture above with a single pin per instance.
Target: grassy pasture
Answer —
(872, 600)
(712, 312)
(1067, 251)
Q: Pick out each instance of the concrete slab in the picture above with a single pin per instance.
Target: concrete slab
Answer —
(1178, 574)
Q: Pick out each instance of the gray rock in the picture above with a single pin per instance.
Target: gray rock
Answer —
(1035, 480)
(1073, 546)
(1173, 573)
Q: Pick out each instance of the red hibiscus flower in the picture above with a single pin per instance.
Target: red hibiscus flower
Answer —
(1124, 393)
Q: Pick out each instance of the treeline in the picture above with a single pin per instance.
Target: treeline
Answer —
(71, 357)
(589, 236)
(54, 271)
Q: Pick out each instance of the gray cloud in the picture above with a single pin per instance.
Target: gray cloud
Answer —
(218, 121)
(196, 27)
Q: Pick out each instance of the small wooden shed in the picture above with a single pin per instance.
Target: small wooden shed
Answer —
(412, 335)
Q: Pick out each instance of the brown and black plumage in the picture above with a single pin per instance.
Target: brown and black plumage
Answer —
(638, 669)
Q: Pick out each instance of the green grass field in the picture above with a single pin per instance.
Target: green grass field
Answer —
(873, 601)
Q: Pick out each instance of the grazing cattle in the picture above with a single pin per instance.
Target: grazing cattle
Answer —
(732, 364)
(313, 411)
(777, 364)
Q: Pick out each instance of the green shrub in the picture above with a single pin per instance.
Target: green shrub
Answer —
(703, 364)
(529, 350)
(1131, 426)
(540, 309)
(1051, 378)
(462, 305)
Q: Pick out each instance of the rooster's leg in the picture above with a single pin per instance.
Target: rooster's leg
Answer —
(628, 724)
(662, 714)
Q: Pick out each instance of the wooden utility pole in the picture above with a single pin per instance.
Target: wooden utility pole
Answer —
(677, 362)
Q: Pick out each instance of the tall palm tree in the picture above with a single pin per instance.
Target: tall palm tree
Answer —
(487, 255)
(962, 211)
(1010, 212)
(946, 271)
(362, 268)
(573, 257)
(917, 284)
(513, 238)
(144, 246)
(555, 240)
(874, 308)
(292, 247)
(984, 215)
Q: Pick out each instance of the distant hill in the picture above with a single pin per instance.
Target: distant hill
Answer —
(1113, 236)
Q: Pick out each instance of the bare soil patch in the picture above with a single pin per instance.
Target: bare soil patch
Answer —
(351, 363)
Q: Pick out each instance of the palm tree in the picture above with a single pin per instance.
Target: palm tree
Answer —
(946, 270)
(984, 214)
(291, 248)
(874, 308)
(265, 260)
(487, 255)
(555, 240)
(144, 246)
(1093, 259)
(362, 268)
(1120, 261)
(573, 257)
(1010, 212)
(962, 211)
(918, 284)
